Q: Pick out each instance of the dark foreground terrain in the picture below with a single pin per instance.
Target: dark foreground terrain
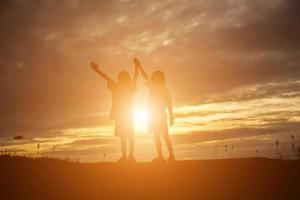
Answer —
(24, 178)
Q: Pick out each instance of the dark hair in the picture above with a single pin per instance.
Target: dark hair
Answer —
(158, 77)
(124, 77)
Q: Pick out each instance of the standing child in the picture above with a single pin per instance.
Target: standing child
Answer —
(159, 101)
(122, 109)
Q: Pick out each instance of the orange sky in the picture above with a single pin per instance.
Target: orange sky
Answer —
(232, 68)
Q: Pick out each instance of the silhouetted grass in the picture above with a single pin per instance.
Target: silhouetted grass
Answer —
(50, 178)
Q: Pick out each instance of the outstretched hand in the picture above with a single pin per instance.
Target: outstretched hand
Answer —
(136, 62)
(94, 66)
(138, 66)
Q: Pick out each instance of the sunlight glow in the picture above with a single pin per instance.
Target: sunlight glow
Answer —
(141, 120)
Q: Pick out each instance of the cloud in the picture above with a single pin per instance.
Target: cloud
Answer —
(207, 48)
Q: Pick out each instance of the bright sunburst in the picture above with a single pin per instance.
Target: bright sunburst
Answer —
(141, 120)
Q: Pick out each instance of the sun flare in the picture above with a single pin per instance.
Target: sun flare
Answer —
(141, 120)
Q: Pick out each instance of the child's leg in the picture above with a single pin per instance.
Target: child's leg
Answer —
(158, 145)
(131, 147)
(123, 146)
(169, 145)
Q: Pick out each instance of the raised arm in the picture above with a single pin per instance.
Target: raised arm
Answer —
(136, 74)
(138, 65)
(95, 67)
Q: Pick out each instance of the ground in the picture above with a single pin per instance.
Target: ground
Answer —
(251, 178)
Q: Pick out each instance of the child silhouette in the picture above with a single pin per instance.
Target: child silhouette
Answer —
(122, 109)
(159, 101)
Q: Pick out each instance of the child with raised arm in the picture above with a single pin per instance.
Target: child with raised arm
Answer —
(122, 109)
(159, 101)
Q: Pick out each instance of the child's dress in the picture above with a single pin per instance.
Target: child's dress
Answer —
(159, 99)
(122, 108)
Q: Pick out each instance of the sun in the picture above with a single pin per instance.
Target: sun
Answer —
(141, 120)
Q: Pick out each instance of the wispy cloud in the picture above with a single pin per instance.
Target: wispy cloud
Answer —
(231, 65)
(238, 117)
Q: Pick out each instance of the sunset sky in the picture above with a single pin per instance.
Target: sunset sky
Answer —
(232, 67)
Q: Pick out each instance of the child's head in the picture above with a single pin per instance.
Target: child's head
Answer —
(124, 77)
(158, 77)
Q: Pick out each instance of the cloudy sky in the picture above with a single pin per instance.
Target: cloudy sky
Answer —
(233, 68)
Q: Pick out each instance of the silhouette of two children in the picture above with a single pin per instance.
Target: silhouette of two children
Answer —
(123, 91)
